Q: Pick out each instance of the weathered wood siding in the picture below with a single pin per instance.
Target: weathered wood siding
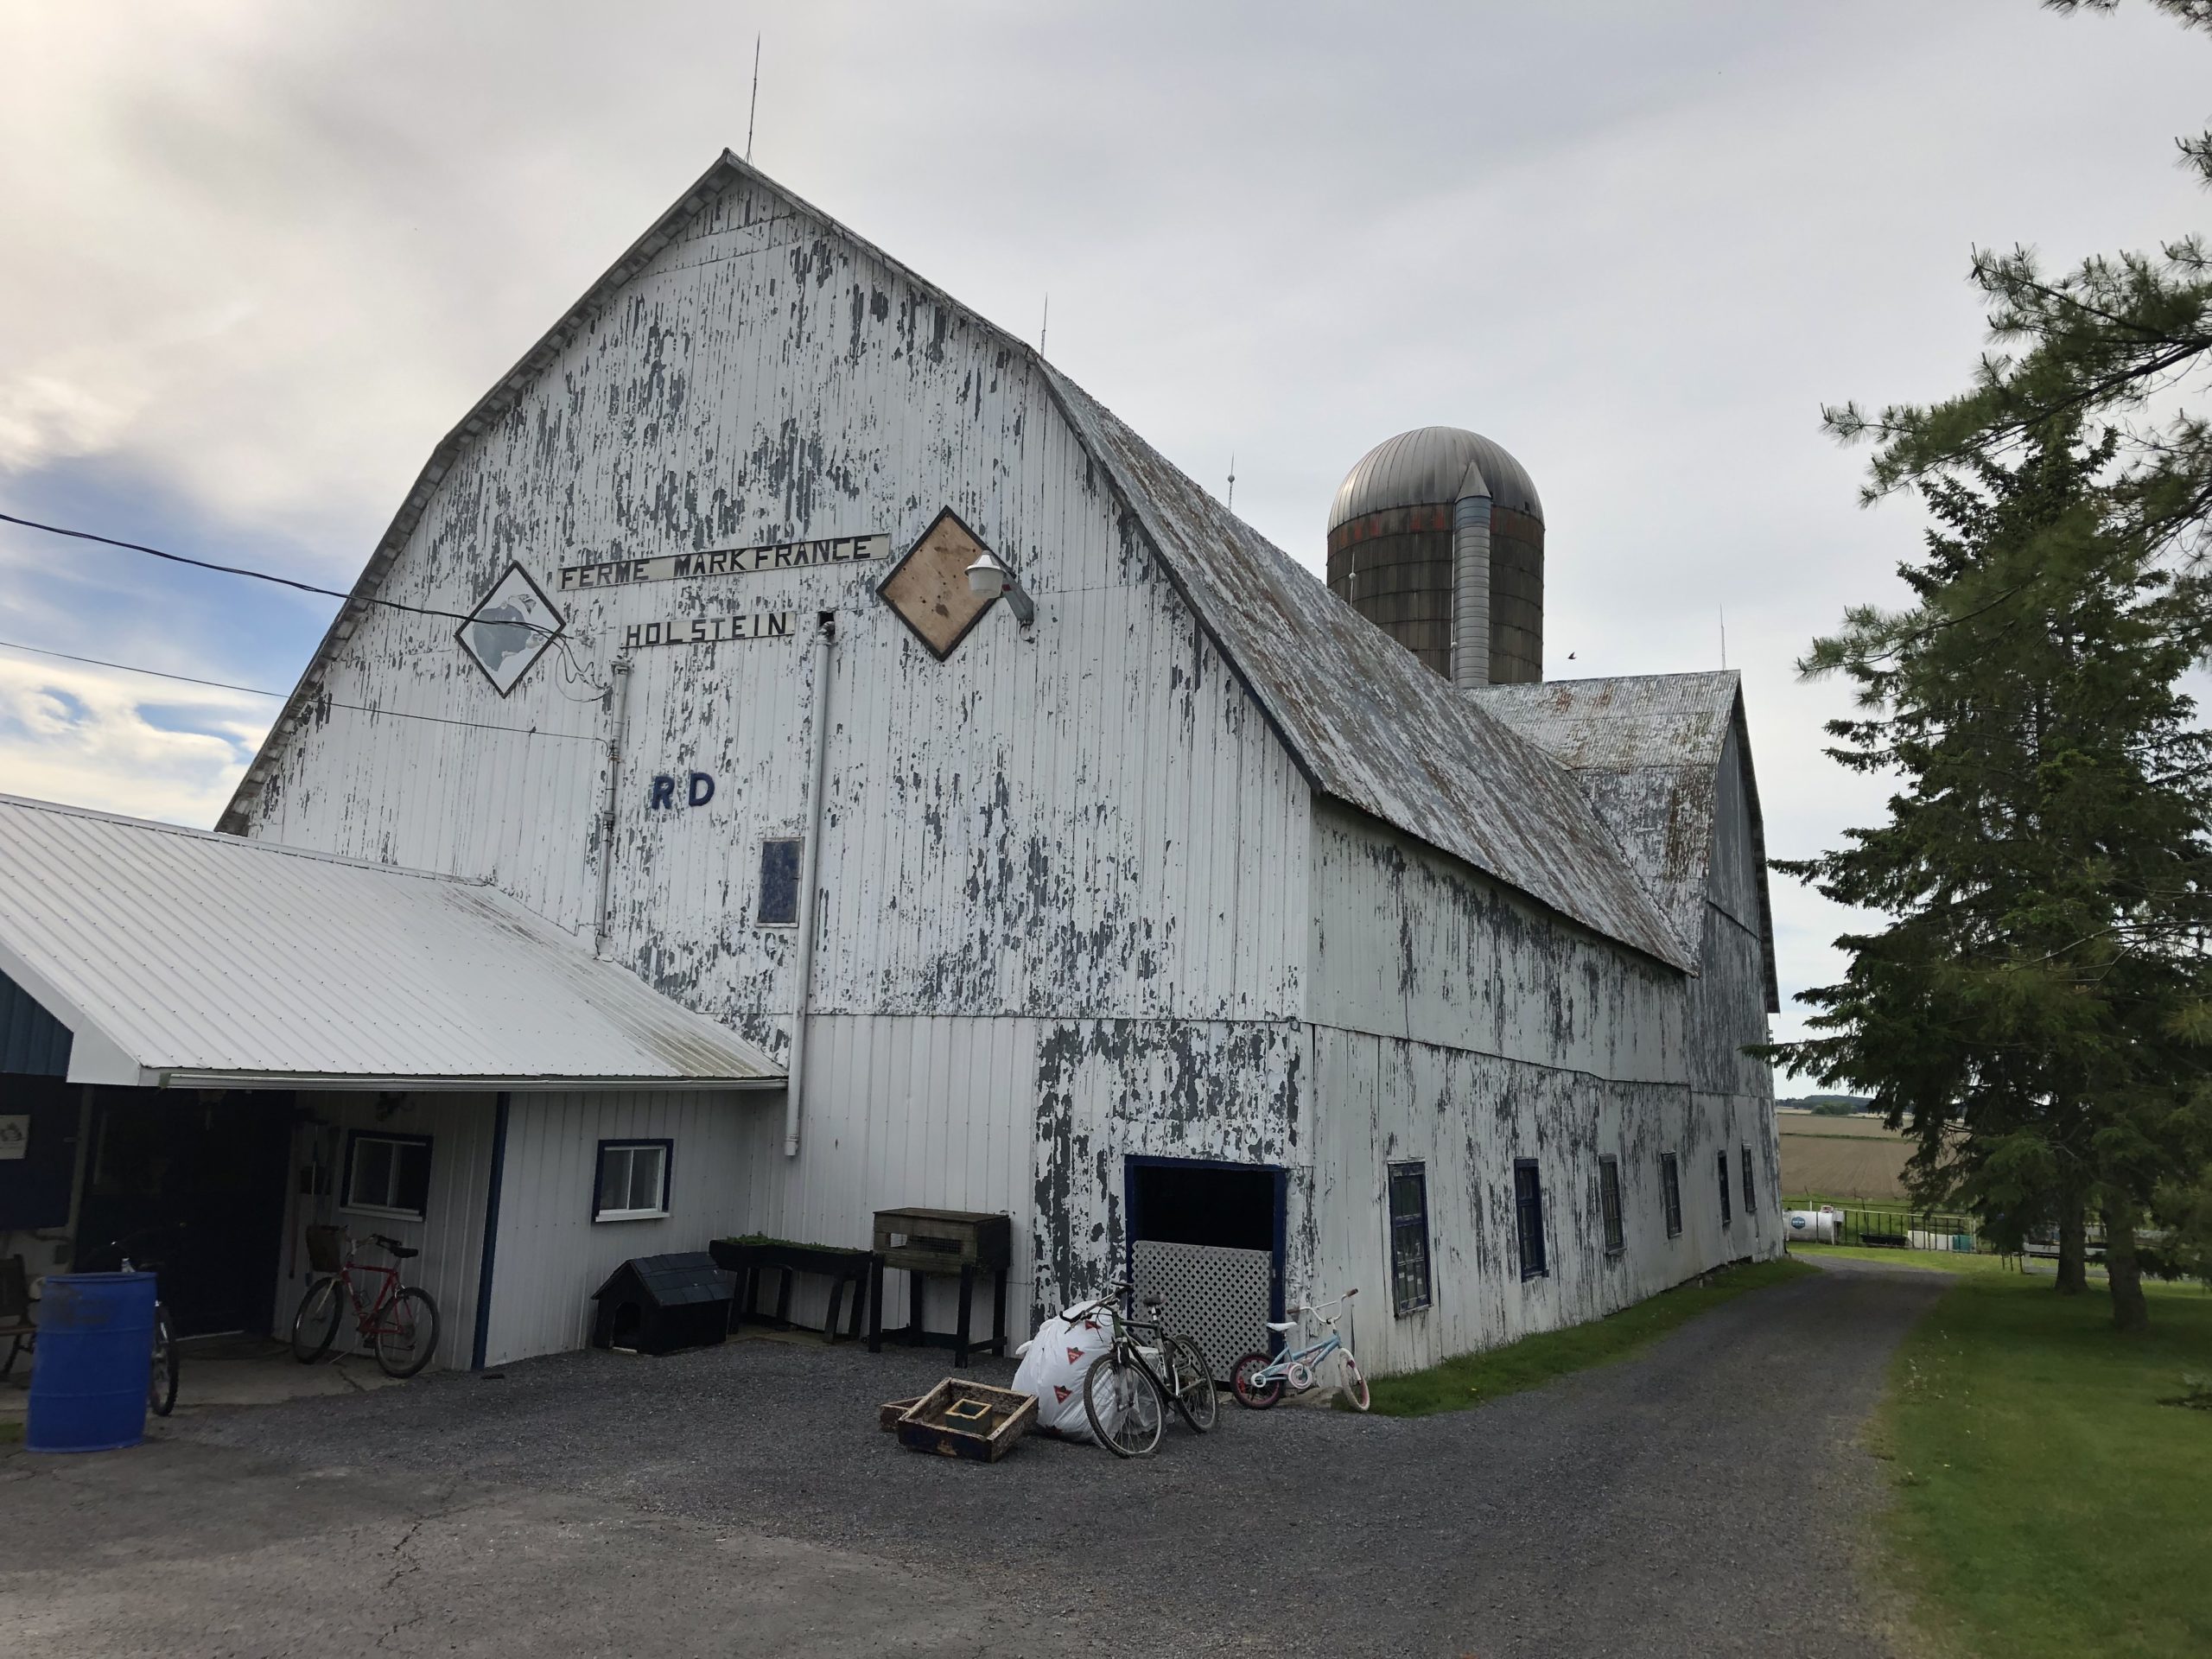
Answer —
(1456, 1024)
(1086, 825)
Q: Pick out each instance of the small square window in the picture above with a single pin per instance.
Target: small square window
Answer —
(1408, 1237)
(1750, 1197)
(1670, 1192)
(1727, 1213)
(388, 1175)
(632, 1180)
(1609, 1201)
(778, 884)
(1529, 1217)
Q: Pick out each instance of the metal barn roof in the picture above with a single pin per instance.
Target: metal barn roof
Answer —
(1646, 749)
(177, 958)
(1371, 726)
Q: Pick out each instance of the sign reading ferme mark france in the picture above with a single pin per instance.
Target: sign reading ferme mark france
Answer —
(724, 562)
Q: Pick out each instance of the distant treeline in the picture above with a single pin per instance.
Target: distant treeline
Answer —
(1830, 1105)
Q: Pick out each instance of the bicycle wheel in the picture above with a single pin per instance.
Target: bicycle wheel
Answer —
(1257, 1396)
(407, 1334)
(161, 1385)
(1191, 1373)
(314, 1327)
(1118, 1391)
(1351, 1386)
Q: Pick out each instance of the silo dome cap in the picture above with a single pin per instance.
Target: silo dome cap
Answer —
(1429, 465)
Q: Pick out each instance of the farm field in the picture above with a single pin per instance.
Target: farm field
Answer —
(2046, 1503)
(1852, 1160)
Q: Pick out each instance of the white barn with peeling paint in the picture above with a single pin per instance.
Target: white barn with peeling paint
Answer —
(1198, 922)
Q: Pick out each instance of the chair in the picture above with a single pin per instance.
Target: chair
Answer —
(15, 1310)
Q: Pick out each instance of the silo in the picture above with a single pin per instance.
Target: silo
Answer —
(1437, 536)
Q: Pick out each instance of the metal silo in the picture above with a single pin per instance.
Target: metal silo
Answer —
(1438, 537)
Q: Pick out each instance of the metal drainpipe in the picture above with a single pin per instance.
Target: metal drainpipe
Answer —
(607, 818)
(1471, 590)
(810, 864)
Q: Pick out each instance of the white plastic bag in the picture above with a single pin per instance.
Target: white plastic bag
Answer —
(1055, 1361)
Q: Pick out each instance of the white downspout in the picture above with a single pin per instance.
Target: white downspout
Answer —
(810, 865)
(614, 742)
(1471, 590)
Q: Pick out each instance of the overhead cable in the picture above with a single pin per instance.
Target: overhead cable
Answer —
(325, 703)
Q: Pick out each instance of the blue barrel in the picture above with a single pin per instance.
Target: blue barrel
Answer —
(95, 1359)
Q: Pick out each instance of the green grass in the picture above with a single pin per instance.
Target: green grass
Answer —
(1534, 1361)
(1946, 1260)
(2046, 1503)
(12, 1429)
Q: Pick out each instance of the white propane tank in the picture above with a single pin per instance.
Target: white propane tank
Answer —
(1821, 1226)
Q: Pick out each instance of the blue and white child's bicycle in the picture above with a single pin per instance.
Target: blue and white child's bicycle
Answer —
(1259, 1381)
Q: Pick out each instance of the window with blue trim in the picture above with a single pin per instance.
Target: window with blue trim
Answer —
(632, 1183)
(1408, 1237)
(1529, 1217)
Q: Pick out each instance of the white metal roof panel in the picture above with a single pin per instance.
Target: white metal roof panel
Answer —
(176, 956)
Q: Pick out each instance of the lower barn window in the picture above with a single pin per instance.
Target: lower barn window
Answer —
(1727, 1213)
(632, 1180)
(388, 1175)
(1751, 1198)
(1609, 1201)
(1408, 1237)
(1670, 1192)
(779, 884)
(1529, 1215)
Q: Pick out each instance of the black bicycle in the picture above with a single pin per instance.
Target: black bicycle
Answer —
(1144, 1370)
(162, 1374)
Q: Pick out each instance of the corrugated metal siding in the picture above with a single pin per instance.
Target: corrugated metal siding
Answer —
(207, 954)
(450, 1234)
(32, 1041)
(552, 1254)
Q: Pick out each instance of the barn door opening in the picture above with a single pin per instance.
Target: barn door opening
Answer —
(1208, 1239)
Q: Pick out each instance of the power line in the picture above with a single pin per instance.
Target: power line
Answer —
(257, 691)
(256, 575)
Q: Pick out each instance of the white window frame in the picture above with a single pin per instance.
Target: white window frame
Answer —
(661, 1145)
(352, 1166)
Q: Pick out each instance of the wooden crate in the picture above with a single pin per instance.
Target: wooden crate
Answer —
(888, 1414)
(967, 1420)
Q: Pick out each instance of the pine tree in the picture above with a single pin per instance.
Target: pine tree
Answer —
(2034, 1010)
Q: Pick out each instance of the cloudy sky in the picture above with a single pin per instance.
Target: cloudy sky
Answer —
(260, 256)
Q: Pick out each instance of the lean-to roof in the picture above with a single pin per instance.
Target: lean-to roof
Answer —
(176, 957)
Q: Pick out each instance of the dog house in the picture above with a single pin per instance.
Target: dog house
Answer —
(657, 1304)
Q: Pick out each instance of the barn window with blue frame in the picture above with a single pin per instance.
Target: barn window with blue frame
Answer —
(1529, 1217)
(1609, 1204)
(1408, 1237)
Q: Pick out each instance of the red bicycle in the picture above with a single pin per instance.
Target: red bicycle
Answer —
(399, 1323)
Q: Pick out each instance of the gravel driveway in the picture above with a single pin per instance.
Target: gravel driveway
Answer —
(1700, 1499)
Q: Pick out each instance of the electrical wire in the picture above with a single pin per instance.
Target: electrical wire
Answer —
(257, 691)
(256, 575)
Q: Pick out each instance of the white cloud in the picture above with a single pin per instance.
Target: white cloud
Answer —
(81, 734)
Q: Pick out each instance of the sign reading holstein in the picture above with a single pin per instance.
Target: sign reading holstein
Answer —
(712, 630)
(724, 562)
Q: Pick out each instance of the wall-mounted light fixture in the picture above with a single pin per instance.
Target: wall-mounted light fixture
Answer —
(987, 579)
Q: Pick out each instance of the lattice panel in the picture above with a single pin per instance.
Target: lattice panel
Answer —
(1217, 1295)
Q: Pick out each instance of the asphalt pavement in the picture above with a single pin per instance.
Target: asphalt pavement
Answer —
(1707, 1497)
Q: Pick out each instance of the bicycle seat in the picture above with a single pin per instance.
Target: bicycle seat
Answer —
(1283, 1324)
(399, 1251)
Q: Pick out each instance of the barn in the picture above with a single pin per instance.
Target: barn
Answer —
(891, 782)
